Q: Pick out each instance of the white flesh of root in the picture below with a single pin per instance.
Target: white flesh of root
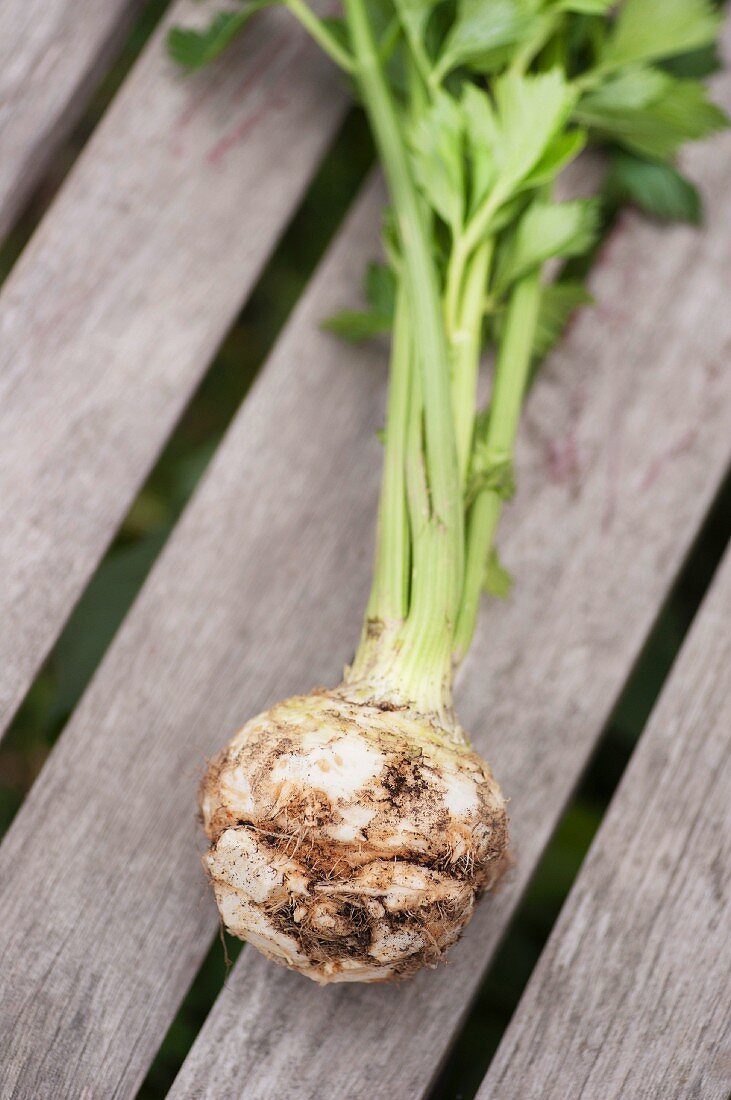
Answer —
(349, 841)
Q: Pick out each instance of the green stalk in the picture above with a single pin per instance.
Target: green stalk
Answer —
(389, 594)
(511, 377)
(479, 224)
(319, 31)
(456, 265)
(436, 588)
(466, 342)
(464, 245)
(423, 655)
(419, 269)
(482, 521)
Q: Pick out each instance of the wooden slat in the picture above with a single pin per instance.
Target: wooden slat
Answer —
(105, 915)
(115, 309)
(51, 54)
(631, 995)
(625, 445)
(258, 592)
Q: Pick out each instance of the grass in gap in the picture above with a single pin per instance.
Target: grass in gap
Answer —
(514, 962)
(189, 1020)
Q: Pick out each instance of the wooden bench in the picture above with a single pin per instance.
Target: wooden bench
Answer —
(109, 320)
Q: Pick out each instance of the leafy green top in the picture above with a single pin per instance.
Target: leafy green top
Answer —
(634, 76)
(477, 106)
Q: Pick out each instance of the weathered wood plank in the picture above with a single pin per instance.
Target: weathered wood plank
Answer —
(625, 444)
(116, 307)
(105, 914)
(631, 995)
(51, 54)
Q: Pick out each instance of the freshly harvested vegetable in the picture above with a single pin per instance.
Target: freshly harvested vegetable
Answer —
(352, 830)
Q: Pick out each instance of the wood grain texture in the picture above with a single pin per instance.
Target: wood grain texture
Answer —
(117, 305)
(105, 914)
(625, 443)
(51, 54)
(631, 995)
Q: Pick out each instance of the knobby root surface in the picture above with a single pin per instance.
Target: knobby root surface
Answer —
(350, 842)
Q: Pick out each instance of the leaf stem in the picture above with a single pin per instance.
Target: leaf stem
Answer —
(511, 376)
(318, 30)
(389, 594)
(458, 258)
(466, 343)
(473, 234)
(435, 591)
(422, 662)
(478, 225)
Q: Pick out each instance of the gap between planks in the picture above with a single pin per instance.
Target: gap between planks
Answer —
(630, 996)
(118, 303)
(52, 53)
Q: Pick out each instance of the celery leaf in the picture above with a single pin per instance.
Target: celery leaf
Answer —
(696, 64)
(193, 49)
(545, 231)
(558, 302)
(379, 286)
(655, 187)
(564, 148)
(484, 34)
(437, 149)
(497, 580)
(651, 112)
(479, 131)
(647, 30)
(488, 474)
(530, 112)
(356, 325)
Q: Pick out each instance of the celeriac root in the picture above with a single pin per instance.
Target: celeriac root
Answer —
(348, 841)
